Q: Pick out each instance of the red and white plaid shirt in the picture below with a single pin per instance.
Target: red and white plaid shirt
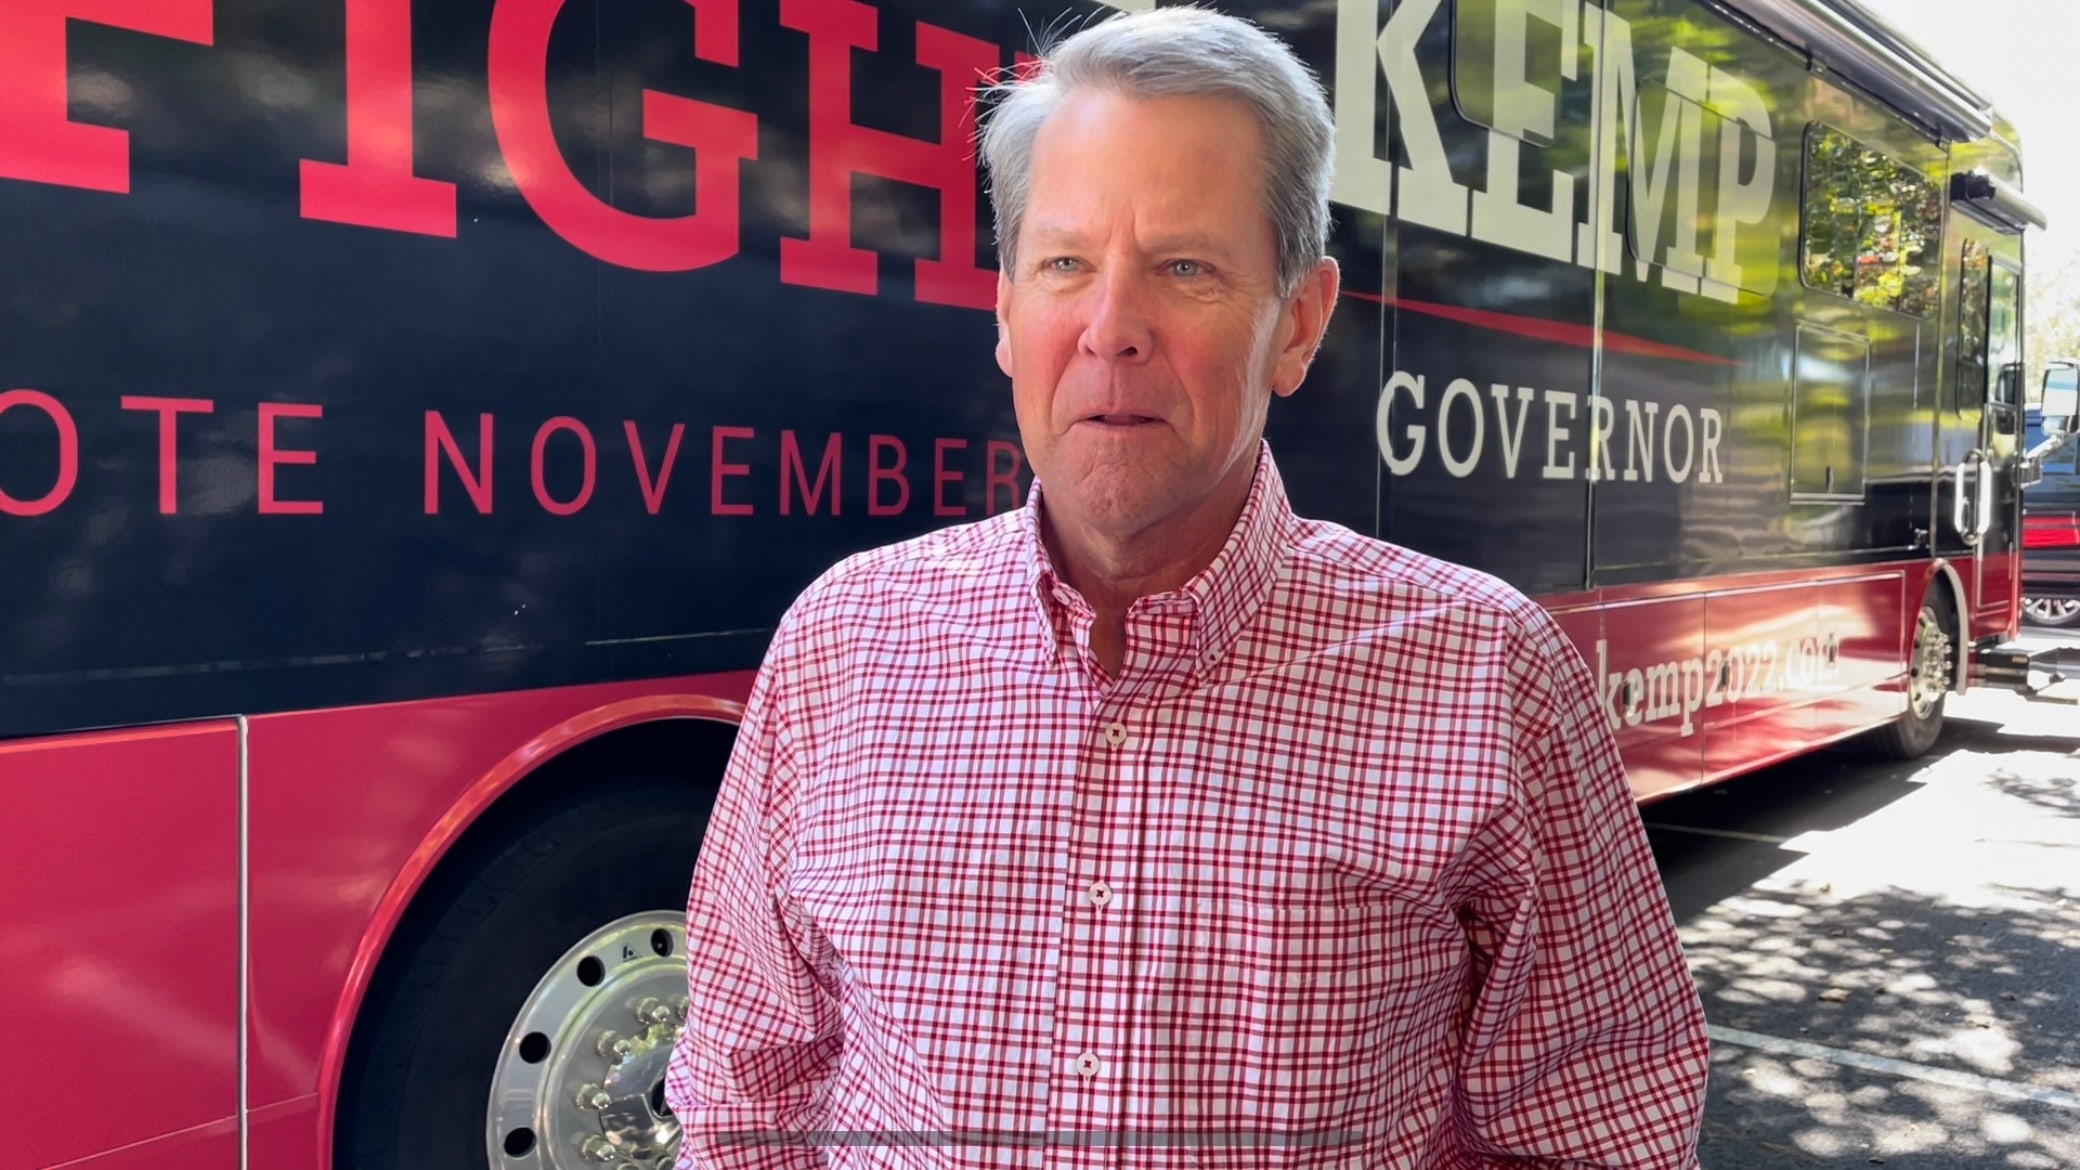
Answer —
(1341, 870)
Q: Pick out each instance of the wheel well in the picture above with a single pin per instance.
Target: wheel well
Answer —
(691, 750)
(1946, 580)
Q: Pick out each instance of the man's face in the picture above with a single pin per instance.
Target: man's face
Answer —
(1142, 327)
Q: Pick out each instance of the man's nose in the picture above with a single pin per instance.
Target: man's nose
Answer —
(1118, 326)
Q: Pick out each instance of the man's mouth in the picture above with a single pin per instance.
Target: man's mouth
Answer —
(1122, 419)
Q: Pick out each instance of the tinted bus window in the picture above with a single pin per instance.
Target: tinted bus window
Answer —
(2004, 342)
(1873, 228)
(1974, 298)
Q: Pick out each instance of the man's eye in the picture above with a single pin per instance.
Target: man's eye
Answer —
(1187, 268)
(1059, 264)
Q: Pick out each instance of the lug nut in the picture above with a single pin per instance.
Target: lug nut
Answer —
(594, 1098)
(611, 1045)
(596, 1149)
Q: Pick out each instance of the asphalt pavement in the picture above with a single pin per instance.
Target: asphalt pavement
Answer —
(1890, 953)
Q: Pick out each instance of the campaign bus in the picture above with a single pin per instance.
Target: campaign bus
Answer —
(415, 417)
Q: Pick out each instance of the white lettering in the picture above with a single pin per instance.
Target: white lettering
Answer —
(1599, 243)
(1512, 444)
(1683, 264)
(1677, 147)
(1600, 419)
(1741, 203)
(1679, 689)
(1708, 464)
(1428, 195)
(1400, 464)
(1610, 681)
(1362, 179)
(1555, 433)
(1460, 389)
(1668, 443)
(1642, 438)
(1522, 107)
(1660, 440)
(1657, 137)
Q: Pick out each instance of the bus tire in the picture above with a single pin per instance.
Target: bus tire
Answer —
(1931, 665)
(503, 977)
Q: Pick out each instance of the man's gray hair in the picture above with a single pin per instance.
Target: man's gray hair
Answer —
(1179, 52)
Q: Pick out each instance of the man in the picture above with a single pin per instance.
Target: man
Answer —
(1153, 825)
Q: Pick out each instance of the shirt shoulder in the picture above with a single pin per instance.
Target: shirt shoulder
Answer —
(1451, 621)
(1385, 581)
(936, 582)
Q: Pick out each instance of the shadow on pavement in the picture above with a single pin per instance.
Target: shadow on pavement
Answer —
(1925, 913)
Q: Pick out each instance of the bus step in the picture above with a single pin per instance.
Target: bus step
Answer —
(2027, 667)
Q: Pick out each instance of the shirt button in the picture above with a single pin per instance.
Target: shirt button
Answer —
(1100, 894)
(1088, 1064)
(1116, 733)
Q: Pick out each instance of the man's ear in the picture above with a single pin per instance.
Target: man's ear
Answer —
(1303, 322)
(1003, 328)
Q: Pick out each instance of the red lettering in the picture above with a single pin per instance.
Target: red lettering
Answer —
(440, 438)
(376, 187)
(541, 487)
(877, 474)
(722, 469)
(720, 138)
(791, 464)
(653, 498)
(839, 149)
(941, 477)
(68, 453)
(272, 456)
(1008, 480)
(169, 449)
(38, 142)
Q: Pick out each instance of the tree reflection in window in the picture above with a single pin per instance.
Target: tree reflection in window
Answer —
(1873, 227)
(2003, 339)
(1973, 298)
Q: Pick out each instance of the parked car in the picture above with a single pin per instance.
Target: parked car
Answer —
(2051, 528)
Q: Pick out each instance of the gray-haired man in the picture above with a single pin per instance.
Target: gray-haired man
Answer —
(1154, 824)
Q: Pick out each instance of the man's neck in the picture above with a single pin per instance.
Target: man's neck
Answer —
(1113, 570)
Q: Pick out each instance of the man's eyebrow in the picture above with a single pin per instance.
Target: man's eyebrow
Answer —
(1200, 242)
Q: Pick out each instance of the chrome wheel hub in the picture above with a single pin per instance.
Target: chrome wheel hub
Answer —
(580, 1079)
(2050, 610)
(1932, 666)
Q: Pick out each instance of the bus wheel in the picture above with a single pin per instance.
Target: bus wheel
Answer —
(1930, 668)
(526, 1020)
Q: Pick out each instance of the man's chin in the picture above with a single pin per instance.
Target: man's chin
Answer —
(1108, 507)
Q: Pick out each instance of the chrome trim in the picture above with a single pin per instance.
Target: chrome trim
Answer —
(1982, 522)
(1846, 38)
(1957, 503)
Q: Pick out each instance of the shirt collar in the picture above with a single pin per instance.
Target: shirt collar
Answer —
(1220, 601)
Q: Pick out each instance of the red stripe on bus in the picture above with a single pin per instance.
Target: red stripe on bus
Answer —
(1541, 329)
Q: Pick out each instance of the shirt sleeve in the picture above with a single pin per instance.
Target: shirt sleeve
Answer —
(762, 1028)
(1586, 1043)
